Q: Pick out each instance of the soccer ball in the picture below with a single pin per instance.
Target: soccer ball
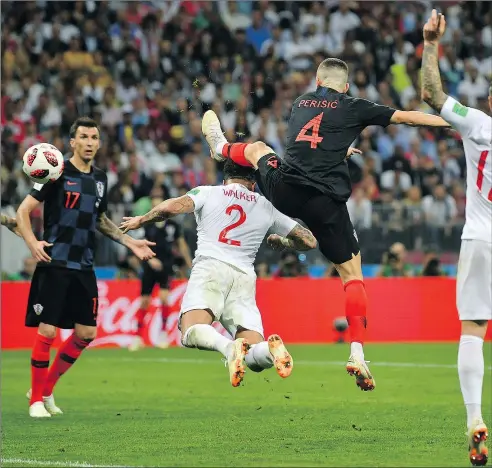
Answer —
(43, 163)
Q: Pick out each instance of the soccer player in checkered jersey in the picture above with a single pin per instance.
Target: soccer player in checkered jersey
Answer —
(63, 291)
(474, 281)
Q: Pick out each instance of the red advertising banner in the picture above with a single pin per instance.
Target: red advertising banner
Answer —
(301, 310)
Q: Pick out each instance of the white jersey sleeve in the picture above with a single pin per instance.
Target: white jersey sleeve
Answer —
(282, 225)
(470, 123)
(475, 128)
(199, 196)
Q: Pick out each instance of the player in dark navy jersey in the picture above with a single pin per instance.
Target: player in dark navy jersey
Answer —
(169, 240)
(312, 182)
(63, 290)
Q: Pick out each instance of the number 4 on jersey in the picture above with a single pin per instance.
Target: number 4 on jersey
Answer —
(312, 125)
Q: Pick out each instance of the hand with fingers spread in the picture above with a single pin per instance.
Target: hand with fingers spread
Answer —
(352, 151)
(434, 27)
(37, 251)
(141, 248)
(130, 223)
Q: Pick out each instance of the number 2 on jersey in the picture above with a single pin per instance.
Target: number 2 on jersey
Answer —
(481, 166)
(242, 218)
(312, 125)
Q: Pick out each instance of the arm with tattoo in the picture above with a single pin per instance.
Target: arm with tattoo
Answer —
(298, 239)
(109, 229)
(432, 92)
(9, 223)
(169, 208)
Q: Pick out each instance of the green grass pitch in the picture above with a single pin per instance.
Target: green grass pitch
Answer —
(176, 408)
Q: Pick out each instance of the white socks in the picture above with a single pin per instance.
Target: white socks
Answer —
(259, 357)
(220, 147)
(203, 336)
(470, 371)
(357, 350)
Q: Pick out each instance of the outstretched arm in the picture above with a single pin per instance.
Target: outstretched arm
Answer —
(432, 92)
(418, 119)
(163, 211)
(141, 248)
(299, 238)
(10, 224)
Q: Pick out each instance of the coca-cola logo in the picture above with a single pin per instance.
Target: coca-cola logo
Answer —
(117, 324)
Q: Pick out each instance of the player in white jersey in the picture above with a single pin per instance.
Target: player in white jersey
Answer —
(232, 223)
(474, 282)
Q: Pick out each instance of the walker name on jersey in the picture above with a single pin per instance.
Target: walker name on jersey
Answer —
(240, 195)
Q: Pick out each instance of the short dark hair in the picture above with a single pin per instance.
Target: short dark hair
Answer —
(235, 171)
(83, 122)
(334, 63)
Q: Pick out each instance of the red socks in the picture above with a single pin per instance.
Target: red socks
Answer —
(235, 151)
(140, 320)
(40, 361)
(164, 315)
(355, 310)
(68, 353)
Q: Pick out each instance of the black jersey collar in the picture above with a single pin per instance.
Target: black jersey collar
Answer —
(323, 90)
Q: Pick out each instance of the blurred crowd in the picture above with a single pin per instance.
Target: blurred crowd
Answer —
(148, 70)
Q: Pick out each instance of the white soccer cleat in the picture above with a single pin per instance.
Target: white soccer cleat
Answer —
(212, 131)
(235, 361)
(136, 344)
(282, 360)
(163, 342)
(49, 403)
(37, 410)
(363, 377)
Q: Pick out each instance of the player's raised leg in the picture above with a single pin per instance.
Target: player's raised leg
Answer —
(197, 332)
(356, 315)
(244, 154)
(266, 354)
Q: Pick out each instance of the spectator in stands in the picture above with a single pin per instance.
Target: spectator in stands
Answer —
(440, 213)
(290, 266)
(393, 262)
(432, 264)
(360, 210)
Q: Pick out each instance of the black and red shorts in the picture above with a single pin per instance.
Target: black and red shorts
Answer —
(328, 219)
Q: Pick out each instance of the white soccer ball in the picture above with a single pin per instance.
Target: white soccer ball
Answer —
(43, 163)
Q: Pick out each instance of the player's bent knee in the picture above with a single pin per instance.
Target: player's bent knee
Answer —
(145, 302)
(474, 327)
(49, 331)
(252, 337)
(85, 332)
(255, 151)
(350, 270)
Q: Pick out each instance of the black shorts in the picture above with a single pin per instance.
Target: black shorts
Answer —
(152, 277)
(62, 297)
(328, 219)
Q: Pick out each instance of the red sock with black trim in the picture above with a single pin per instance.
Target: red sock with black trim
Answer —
(356, 310)
(235, 151)
(40, 361)
(68, 353)
(141, 313)
(164, 315)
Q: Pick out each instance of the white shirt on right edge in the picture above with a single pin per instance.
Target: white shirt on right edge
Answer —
(232, 223)
(475, 128)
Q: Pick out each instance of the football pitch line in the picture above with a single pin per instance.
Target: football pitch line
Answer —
(75, 464)
(296, 361)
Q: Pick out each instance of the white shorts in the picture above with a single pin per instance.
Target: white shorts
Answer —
(227, 292)
(474, 281)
